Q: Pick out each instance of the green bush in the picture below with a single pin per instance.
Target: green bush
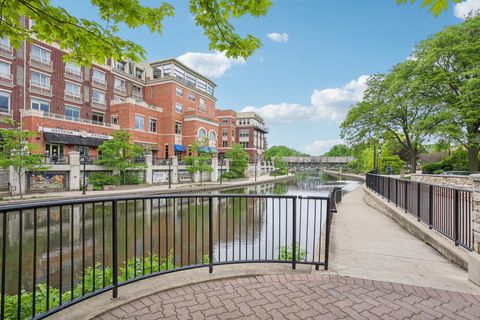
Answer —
(458, 161)
(286, 253)
(98, 179)
(231, 175)
(132, 178)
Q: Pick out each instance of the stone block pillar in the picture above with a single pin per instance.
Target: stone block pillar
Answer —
(474, 257)
(15, 182)
(74, 176)
(214, 173)
(174, 173)
(149, 169)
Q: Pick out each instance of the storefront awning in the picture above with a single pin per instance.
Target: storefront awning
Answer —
(179, 147)
(59, 138)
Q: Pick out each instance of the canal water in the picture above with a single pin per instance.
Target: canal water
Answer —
(65, 241)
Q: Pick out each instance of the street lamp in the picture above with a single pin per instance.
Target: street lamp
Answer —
(83, 159)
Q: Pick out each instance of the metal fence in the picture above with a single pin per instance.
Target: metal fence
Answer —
(447, 210)
(57, 253)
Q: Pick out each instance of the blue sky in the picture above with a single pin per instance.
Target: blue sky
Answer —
(302, 85)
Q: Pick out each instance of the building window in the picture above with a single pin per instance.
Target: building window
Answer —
(210, 89)
(5, 44)
(120, 85)
(121, 65)
(5, 70)
(72, 113)
(166, 151)
(179, 72)
(191, 96)
(137, 92)
(98, 97)
(40, 105)
(118, 99)
(157, 73)
(139, 73)
(97, 117)
(202, 133)
(225, 132)
(202, 85)
(244, 144)
(179, 91)
(233, 133)
(98, 77)
(73, 68)
(40, 80)
(114, 119)
(225, 144)
(139, 123)
(40, 54)
(178, 128)
(202, 104)
(212, 136)
(178, 108)
(244, 133)
(73, 90)
(4, 102)
(167, 70)
(191, 79)
(225, 120)
(152, 125)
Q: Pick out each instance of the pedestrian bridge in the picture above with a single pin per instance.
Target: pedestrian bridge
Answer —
(318, 162)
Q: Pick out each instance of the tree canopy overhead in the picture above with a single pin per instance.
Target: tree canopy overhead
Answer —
(434, 6)
(90, 41)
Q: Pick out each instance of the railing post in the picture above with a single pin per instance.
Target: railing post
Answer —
(294, 235)
(456, 217)
(210, 235)
(418, 201)
(396, 192)
(114, 250)
(388, 186)
(406, 196)
(430, 206)
(327, 233)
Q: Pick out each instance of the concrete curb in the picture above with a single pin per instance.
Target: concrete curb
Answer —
(439, 242)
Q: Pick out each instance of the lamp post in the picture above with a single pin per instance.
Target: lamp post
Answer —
(220, 158)
(84, 160)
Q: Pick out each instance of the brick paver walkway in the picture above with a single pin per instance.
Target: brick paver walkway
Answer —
(300, 296)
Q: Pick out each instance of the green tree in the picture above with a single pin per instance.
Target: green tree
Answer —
(17, 152)
(339, 150)
(199, 161)
(238, 160)
(281, 167)
(90, 41)
(449, 66)
(394, 106)
(120, 154)
(435, 6)
(282, 151)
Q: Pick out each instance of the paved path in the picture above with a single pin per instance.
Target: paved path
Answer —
(300, 297)
(368, 244)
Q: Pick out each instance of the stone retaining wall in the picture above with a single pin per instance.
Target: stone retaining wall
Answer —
(462, 182)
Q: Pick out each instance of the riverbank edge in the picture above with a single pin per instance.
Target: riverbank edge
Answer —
(153, 190)
(352, 176)
(440, 243)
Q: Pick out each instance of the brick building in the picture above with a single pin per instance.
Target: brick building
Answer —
(251, 133)
(165, 105)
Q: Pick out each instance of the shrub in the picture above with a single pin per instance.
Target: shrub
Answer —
(98, 179)
(286, 252)
(132, 178)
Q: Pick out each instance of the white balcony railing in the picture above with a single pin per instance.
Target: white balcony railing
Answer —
(72, 96)
(6, 50)
(120, 90)
(73, 74)
(99, 82)
(99, 103)
(6, 78)
(41, 62)
(137, 95)
(40, 87)
(56, 116)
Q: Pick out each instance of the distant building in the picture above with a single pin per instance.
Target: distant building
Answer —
(252, 133)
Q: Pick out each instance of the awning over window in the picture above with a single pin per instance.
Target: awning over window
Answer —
(179, 147)
(59, 138)
(207, 149)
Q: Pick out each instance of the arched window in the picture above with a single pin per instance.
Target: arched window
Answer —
(202, 133)
(213, 136)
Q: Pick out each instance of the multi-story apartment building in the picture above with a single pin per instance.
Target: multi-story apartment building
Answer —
(227, 121)
(252, 133)
(164, 105)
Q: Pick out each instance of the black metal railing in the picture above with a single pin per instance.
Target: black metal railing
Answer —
(447, 210)
(57, 253)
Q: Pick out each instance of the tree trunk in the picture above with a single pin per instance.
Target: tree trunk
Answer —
(473, 158)
(20, 185)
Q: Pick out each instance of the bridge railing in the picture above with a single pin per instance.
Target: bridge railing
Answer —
(55, 254)
(447, 210)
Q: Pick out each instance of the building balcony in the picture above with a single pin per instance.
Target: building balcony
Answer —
(61, 117)
(41, 88)
(99, 83)
(6, 51)
(73, 97)
(99, 103)
(137, 96)
(120, 90)
(73, 74)
(41, 63)
(6, 79)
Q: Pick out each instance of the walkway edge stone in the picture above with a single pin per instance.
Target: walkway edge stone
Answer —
(444, 246)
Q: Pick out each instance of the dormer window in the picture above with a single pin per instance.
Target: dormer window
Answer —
(121, 65)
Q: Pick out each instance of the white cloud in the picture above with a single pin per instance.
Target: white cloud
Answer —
(213, 64)
(329, 104)
(468, 7)
(319, 147)
(278, 37)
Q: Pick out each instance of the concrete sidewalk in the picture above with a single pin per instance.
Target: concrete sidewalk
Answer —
(151, 189)
(367, 244)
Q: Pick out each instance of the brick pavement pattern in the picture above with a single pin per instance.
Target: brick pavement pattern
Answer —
(300, 296)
